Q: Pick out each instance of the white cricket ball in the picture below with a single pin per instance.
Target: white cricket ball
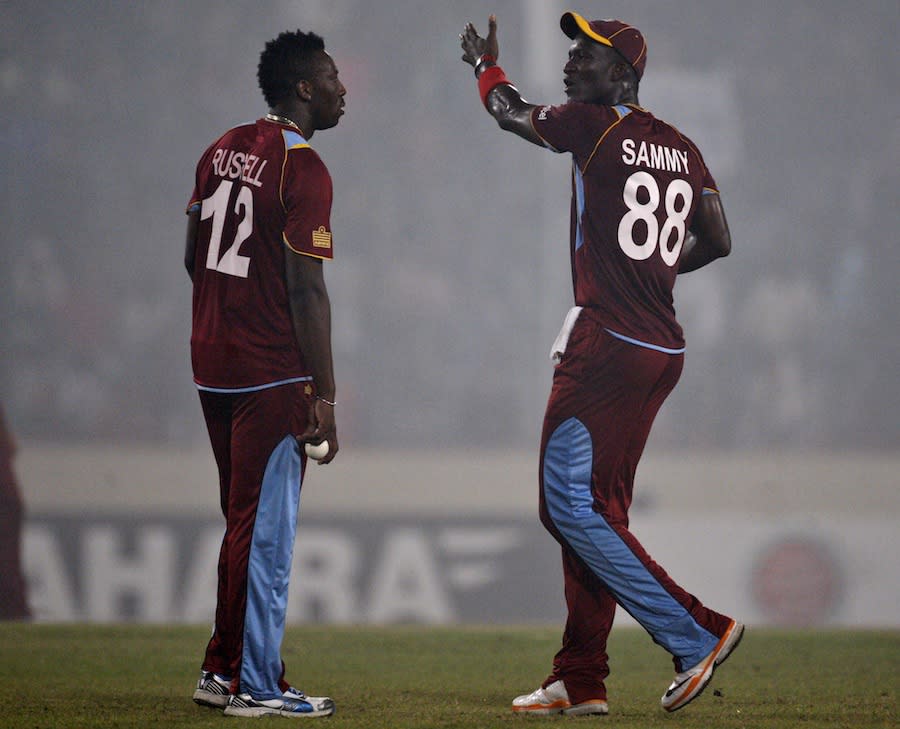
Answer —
(316, 451)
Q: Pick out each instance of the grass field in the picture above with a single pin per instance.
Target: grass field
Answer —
(69, 677)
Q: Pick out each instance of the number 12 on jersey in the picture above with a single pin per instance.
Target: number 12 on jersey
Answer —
(216, 207)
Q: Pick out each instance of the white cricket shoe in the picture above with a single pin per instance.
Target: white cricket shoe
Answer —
(293, 704)
(689, 684)
(212, 690)
(554, 699)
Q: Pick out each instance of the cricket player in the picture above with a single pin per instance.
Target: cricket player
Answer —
(258, 232)
(644, 209)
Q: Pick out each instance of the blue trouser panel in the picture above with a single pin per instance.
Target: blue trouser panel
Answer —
(269, 572)
(566, 479)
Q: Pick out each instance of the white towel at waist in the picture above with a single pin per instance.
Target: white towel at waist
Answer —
(562, 339)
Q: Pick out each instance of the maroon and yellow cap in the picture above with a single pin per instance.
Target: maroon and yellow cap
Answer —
(626, 39)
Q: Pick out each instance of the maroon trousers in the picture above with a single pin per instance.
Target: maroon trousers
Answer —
(244, 431)
(605, 396)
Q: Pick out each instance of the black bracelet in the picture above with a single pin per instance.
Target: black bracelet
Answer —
(485, 60)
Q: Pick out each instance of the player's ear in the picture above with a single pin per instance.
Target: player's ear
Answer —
(618, 72)
(304, 90)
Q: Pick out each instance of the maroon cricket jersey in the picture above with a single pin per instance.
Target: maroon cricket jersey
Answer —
(262, 193)
(636, 182)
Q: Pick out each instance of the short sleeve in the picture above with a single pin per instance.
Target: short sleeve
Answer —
(574, 127)
(200, 174)
(709, 184)
(307, 196)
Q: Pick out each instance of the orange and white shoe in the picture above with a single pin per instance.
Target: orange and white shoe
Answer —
(554, 699)
(689, 684)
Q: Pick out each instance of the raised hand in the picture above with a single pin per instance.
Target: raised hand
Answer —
(474, 46)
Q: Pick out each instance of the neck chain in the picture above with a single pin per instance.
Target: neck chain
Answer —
(283, 120)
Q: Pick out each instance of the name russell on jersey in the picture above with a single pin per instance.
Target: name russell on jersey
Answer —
(232, 165)
(654, 155)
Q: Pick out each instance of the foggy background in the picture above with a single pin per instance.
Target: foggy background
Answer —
(451, 270)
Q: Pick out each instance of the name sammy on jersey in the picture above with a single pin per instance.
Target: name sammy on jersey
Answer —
(654, 155)
(232, 165)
